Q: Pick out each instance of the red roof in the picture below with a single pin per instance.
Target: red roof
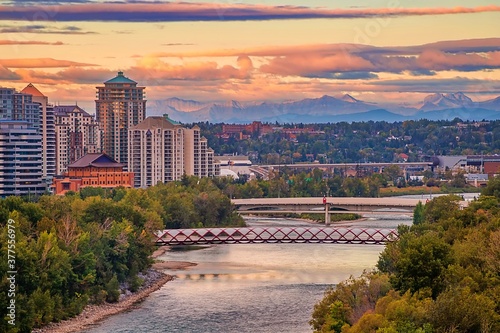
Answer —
(32, 90)
(96, 160)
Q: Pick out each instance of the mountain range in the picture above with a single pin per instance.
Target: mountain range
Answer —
(346, 108)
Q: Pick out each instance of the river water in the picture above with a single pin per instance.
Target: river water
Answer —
(250, 287)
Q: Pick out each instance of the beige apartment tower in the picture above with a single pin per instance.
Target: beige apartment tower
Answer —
(120, 105)
(161, 150)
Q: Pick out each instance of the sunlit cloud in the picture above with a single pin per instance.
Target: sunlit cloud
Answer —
(184, 11)
(28, 42)
(337, 60)
(39, 63)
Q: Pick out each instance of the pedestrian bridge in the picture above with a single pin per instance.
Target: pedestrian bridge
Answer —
(258, 235)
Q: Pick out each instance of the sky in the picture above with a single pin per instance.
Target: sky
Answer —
(395, 51)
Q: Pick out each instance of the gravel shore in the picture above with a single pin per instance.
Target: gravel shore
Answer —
(153, 280)
(92, 314)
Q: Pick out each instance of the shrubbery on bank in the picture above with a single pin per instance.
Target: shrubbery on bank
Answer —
(86, 247)
(442, 275)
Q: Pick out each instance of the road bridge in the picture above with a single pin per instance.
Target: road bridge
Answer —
(333, 203)
(258, 235)
(343, 165)
(326, 205)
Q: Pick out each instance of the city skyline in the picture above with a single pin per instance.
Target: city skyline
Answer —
(380, 51)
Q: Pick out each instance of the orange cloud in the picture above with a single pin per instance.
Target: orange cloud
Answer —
(28, 42)
(156, 71)
(39, 63)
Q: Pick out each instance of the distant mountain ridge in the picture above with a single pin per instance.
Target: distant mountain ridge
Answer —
(346, 108)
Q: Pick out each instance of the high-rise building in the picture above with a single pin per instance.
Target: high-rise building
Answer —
(77, 134)
(161, 150)
(120, 105)
(47, 130)
(19, 106)
(20, 159)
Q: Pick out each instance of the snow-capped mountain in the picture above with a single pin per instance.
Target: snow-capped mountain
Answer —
(326, 109)
(446, 101)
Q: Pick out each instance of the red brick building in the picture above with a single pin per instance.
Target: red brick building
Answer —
(95, 170)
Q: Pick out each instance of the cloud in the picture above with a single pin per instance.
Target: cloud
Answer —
(344, 76)
(67, 76)
(43, 29)
(184, 11)
(454, 46)
(7, 74)
(450, 85)
(328, 60)
(155, 71)
(28, 42)
(39, 63)
(178, 44)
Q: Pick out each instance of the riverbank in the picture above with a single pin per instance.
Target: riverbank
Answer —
(92, 314)
(154, 279)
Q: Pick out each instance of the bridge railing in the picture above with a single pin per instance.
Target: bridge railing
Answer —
(250, 235)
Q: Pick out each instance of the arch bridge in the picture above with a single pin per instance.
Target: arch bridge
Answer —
(340, 204)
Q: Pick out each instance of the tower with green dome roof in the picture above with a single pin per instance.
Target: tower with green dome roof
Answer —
(120, 105)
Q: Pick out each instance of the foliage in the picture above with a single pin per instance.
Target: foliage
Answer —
(370, 141)
(444, 273)
(89, 246)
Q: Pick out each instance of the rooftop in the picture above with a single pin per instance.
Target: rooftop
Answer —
(97, 160)
(61, 110)
(120, 78)
(32, 90)
(156, 122)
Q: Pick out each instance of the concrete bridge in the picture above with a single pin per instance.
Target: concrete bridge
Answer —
(251, 235)
(327, 205)
(333, 203)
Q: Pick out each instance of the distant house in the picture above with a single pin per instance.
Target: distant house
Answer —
(403, 157)
(93, 170)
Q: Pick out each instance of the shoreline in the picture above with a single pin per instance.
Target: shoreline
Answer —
(93, 314)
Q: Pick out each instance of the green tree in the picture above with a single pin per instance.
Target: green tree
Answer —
(418, 214)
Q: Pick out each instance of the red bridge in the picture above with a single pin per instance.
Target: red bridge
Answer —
(274, 235)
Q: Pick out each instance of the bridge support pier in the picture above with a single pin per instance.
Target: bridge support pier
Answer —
(327, 214)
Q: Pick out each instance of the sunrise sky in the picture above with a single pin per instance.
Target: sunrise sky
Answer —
(377, 51)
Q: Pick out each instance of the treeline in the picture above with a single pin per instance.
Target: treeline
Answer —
(87, 247)
(371, 141)
(442, 275)
(285, 182)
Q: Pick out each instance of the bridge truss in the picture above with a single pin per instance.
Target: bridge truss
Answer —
(251, 235)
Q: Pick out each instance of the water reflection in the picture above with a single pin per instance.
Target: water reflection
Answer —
(250, 287)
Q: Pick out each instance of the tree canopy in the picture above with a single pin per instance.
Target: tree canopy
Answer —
(442, 275)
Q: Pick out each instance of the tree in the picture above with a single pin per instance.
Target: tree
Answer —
(418, 214)
(493, 187)
(420, 263)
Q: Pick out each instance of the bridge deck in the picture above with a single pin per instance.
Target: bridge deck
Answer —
(274, 235)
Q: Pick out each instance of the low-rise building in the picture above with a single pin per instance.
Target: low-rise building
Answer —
(93, 170)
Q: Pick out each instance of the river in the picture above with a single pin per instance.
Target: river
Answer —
(250, 287)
